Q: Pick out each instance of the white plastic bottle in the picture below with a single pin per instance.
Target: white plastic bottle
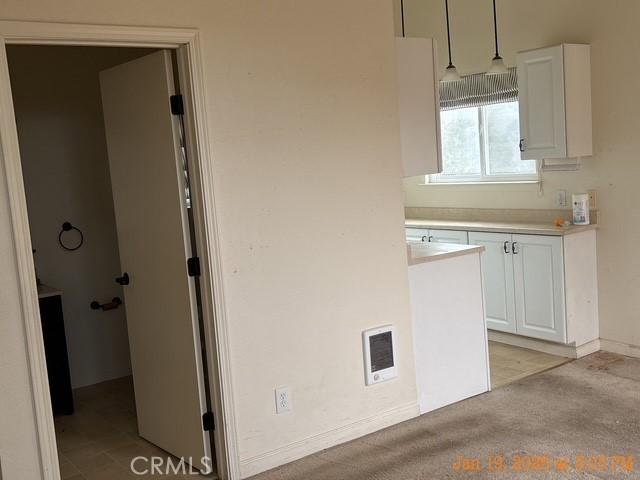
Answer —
(580, 203)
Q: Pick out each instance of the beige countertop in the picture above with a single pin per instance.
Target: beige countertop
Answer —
(45, 291)
(421, 252)
(474, 226)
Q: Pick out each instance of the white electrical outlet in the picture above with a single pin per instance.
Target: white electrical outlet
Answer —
(593, 199)
(283, 400)
(561, 198)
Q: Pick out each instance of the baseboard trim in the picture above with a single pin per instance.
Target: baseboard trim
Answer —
(588, 348)
(569, 351)
(620, 348)
(315, 443)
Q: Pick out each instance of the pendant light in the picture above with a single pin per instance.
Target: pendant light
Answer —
(497, 64)
(450, 74)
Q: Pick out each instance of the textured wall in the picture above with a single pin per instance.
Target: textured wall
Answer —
(303, 117)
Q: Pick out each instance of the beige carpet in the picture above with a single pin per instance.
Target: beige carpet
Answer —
(583, 418)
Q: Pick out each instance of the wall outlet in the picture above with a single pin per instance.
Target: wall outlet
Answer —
(561, 198)
(283, 400)
(593, 199)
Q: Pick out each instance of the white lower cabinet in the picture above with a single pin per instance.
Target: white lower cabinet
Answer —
(441, 236)
(523, 279)
(539, 287)
(497, 277)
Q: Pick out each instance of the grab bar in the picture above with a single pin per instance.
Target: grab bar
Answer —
(112, 305)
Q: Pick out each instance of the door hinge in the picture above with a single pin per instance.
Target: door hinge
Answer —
(193, 266)
(177, 105)
(208, 423)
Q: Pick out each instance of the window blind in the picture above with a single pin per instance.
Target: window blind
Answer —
(479, 89)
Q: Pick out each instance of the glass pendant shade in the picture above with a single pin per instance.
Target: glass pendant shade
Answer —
(497, 66)
(450, 74)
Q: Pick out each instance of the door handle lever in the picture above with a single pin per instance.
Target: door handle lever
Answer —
(124, 279)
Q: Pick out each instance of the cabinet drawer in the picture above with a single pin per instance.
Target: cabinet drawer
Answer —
(448, 236)
(416, 234)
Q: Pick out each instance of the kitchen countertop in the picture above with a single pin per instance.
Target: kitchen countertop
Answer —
(421, 252)
(45, 291)
(474, 226)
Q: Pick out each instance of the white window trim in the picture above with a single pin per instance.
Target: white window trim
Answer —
(484, 177)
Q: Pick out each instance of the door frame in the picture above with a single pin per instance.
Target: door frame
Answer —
(190, 65)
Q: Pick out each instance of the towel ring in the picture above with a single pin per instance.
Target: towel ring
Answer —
(66, 227)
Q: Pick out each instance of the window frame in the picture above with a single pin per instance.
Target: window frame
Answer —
(484, 176)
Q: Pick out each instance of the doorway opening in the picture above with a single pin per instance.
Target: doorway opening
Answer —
(106, 177)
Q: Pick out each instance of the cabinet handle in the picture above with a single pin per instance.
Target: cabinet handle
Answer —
(513, 248)
(521, 145)
(506, 247)
(430, 238)
(424, 238)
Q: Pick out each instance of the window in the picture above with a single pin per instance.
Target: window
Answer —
(480, 144)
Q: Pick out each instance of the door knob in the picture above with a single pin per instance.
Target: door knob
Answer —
(124, 279)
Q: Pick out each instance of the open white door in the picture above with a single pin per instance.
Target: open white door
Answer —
(148, 185)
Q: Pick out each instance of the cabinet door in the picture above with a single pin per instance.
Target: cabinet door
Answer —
(419, 106)
(539, 287)
(416, 234)
(542, 103)
(497, 279)
(448, 236)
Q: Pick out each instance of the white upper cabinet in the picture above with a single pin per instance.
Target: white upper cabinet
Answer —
(419, 106)
(554, 86)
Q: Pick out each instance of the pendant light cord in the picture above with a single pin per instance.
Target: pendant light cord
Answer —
(495, 27)
(402, 15)
(446, 7)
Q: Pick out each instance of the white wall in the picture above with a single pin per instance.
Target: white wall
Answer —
(303, 117)
(66, 173)
(612, 30)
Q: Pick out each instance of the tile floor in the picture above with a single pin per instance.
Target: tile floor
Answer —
(509, 364)
(100, 439)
